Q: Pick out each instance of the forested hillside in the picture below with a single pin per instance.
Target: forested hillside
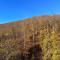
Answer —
(36, 38)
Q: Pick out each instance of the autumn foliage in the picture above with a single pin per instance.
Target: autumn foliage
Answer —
(36, 38)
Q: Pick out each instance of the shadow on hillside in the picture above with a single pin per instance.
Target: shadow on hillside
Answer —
(35, 53)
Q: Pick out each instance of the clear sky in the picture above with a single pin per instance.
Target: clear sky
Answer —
(13, 10)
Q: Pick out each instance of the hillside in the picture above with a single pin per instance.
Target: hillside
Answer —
(36, 38)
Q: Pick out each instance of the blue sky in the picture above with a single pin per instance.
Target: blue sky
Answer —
(13, 10)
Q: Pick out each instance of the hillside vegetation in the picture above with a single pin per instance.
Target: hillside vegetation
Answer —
(36, 38)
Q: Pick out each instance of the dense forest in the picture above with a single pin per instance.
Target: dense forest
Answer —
(36, 38)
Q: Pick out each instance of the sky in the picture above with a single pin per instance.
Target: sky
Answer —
(14, 10)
